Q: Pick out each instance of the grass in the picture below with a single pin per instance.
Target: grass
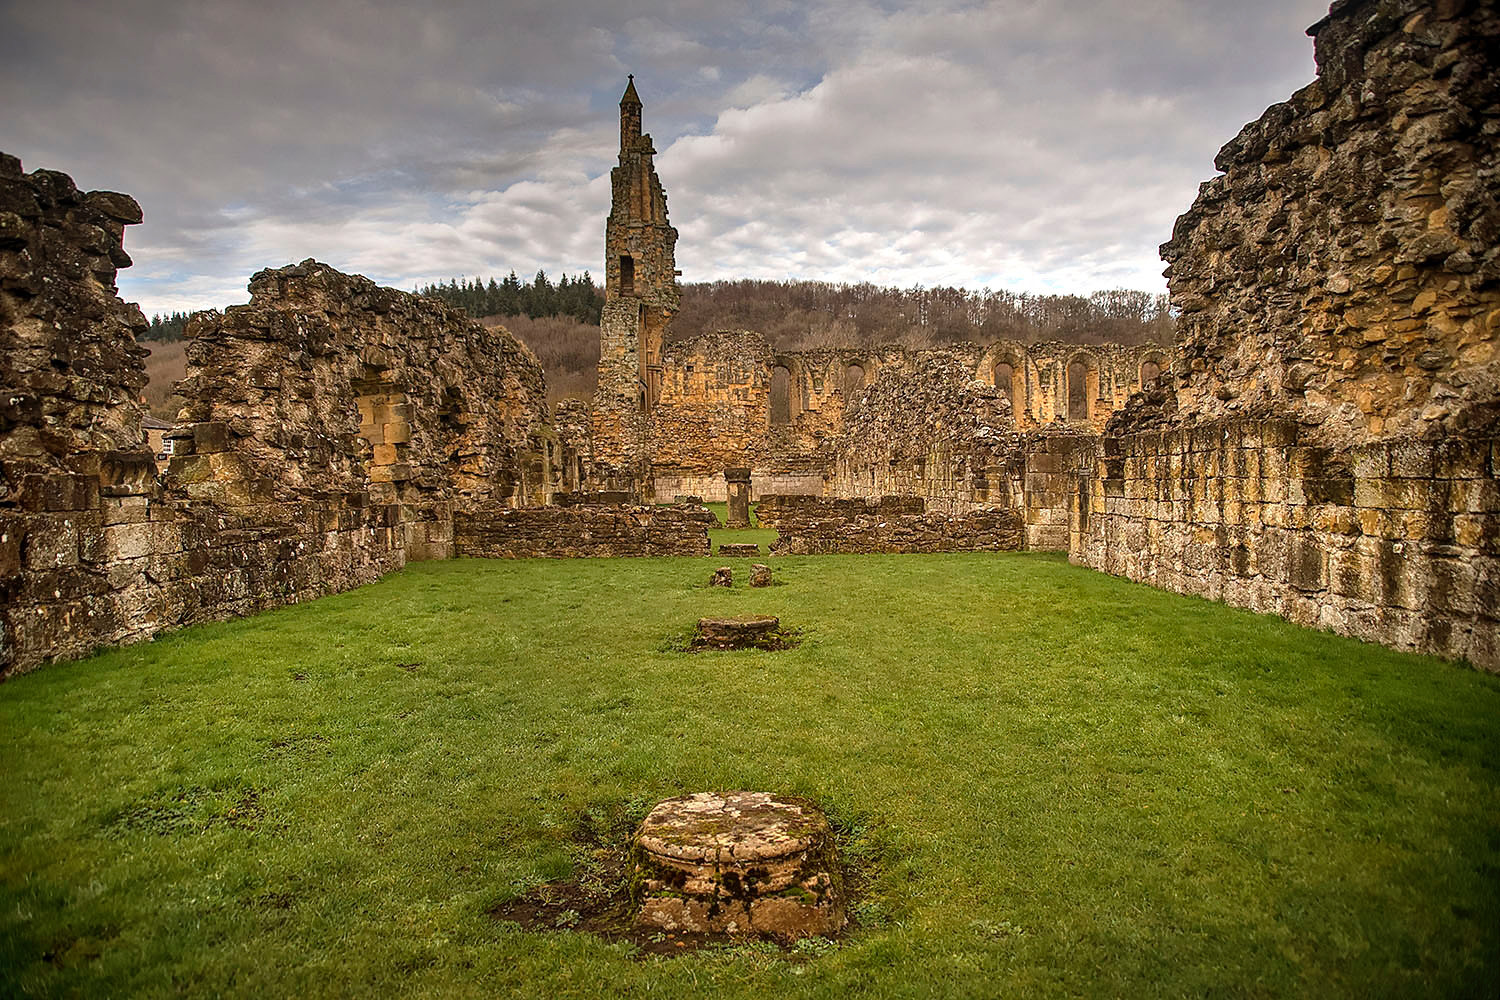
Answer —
(756, 534)
(1061, 784)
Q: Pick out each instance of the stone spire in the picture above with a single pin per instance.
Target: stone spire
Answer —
(630, 116)
(640, 299)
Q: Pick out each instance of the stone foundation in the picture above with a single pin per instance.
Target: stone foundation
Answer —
(817, 526)
(496, 532)
(741, 863)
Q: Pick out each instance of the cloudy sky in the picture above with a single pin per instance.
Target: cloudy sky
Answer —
(1042, 146)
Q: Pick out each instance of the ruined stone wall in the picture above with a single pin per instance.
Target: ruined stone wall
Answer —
(572, 420)
(1344, 269)
(808, 525)
(728, 401)
(931, 431)
(330, 429)
(1054, 462)
(1393, 542)
(1325, 448)
(70, 422)
(714, 412)
(497, 532)
(325, 384)
(1078, 385)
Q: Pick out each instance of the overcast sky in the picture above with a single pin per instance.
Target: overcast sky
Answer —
(1016, 144)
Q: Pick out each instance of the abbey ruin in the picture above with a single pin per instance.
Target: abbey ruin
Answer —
(1321, 441)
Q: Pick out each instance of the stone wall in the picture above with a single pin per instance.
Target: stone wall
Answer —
(1050, 384)
(326, 384)
(727, 400)
(807, 525)
(1394, 542)
(714, 411)
(1325, 446)
(1343, 269)
(932, 431)
(1055, 462)
(497, 532)
(331, 430)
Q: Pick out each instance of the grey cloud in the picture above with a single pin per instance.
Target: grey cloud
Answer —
(1037, 144)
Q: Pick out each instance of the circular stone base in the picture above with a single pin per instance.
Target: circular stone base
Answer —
(738, 863)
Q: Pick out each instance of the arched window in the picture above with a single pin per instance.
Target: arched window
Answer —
(1078, 391)
(1149, 370)
(627, 274)
(781, 395)
(1005, 381)
(854, 377)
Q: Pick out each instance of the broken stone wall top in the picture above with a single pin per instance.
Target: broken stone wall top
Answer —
(72, 372)
(1343, 270)
(325, 384)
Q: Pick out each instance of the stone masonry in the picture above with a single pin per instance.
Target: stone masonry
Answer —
(499, 532)
(809, 525)
(1326, 448)
(640, 299)
(332, 431)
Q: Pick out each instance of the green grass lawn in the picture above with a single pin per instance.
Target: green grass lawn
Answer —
(718, 536)
(1059, 783)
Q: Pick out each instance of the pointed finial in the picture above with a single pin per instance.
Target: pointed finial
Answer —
(631, 97)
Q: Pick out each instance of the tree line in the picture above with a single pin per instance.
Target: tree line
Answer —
(796, 315)
(577, 297)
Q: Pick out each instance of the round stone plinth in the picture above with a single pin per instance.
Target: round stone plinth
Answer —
(738, 863)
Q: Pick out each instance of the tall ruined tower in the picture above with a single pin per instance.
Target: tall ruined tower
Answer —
(640, 299)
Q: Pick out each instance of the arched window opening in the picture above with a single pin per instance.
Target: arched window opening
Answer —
(1005, 382)
(1149, 370)
(1078, 391)
(854, 377)
(781, 395)
(627, 274)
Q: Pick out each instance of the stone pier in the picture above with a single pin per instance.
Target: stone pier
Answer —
(738, 482)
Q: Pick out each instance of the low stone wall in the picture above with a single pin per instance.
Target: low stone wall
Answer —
(495, 532)
(1393, 542)
(809, 525)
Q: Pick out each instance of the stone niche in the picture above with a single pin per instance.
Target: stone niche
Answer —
(738, 863)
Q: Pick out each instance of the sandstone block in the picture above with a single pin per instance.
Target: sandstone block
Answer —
(722, 577)
(760, 575)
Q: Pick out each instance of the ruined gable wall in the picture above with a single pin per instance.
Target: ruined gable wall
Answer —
(1327, 447)
(640, 299)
